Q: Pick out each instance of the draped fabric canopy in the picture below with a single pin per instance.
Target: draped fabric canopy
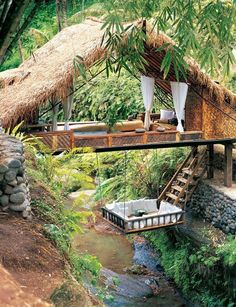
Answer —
(67, 106)
(147, 86)
(179, 93)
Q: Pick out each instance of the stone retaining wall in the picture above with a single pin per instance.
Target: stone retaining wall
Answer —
(14, 191)
(214, 206)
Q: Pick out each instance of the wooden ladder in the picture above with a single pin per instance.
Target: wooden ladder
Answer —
(185, 180)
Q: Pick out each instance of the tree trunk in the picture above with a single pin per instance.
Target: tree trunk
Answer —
(10, 24)
(20, 48)
(13, 39)
(61, 14)
(4, 12)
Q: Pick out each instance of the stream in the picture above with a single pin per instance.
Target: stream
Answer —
(131, 271)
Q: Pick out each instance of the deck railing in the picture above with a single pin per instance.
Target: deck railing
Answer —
(65, 140)
(143, 223)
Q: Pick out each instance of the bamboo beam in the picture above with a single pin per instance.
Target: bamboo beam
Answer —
(228, 165)
(171, 144)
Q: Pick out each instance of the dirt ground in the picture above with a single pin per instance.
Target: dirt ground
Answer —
(32, 260)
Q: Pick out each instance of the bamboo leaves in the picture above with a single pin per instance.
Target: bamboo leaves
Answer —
(202, 29)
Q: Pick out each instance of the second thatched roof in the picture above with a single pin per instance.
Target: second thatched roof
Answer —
(49, 73)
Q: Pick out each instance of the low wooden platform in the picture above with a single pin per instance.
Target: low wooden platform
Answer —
(65, 140)
(149, 222)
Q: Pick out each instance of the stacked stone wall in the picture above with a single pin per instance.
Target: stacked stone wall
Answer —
(14, 190)
(214, 206)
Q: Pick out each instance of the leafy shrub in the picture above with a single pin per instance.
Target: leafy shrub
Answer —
(108, 99)
(137, 174)
(199, 272)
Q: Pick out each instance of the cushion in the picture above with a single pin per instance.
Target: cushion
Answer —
(167, 114)
(120, 126)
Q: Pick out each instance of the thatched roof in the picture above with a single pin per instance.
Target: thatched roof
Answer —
(50, 71)
(196, 78)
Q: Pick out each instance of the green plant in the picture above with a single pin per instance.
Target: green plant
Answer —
(199, 272)
(202, 29)
(16, 132)
(85, 264)
(137, 174)
(69, 224)
(228, 251)
(108, 99)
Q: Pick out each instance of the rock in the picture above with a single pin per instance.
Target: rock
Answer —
(13, 183)
(131, 286)
(27, 212)
(4, 209)
(20, 188)
(20, 179)
(20, 171)
(137, 269)
(17, 198)
(14, 163)
(4, 200)
(3, 169)
(8, 190)
(21, 207)
(10, 176)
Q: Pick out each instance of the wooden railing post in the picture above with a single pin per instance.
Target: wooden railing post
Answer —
(109, 140)
(72, 139)
(145, 138)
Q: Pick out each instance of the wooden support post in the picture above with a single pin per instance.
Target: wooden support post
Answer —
(194, 151)
(109, 141)
(228, 166)
(72, 139)
(145, 138)
(210, 166)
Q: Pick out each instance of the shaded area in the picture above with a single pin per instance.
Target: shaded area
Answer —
(31, 259)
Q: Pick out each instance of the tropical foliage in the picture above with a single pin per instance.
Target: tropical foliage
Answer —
(136, 174)
(52, 178)
(202, 29)
(204, 273)
(108, 100)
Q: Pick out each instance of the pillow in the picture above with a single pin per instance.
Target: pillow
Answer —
(167, 114)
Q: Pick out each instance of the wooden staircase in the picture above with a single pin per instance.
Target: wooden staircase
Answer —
(182, 185)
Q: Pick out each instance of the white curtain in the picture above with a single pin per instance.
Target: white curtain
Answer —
(147, 86)
(67, 106)
(179, 93)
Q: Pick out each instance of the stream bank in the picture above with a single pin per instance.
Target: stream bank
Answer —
(131, 273)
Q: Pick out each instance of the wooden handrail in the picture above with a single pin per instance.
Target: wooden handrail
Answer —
(174, 177)
(190, 177)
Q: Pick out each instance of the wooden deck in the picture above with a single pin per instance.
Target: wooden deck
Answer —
(145, 223)
(66, 140)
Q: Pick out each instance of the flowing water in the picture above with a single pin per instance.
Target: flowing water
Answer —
(122, 261)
